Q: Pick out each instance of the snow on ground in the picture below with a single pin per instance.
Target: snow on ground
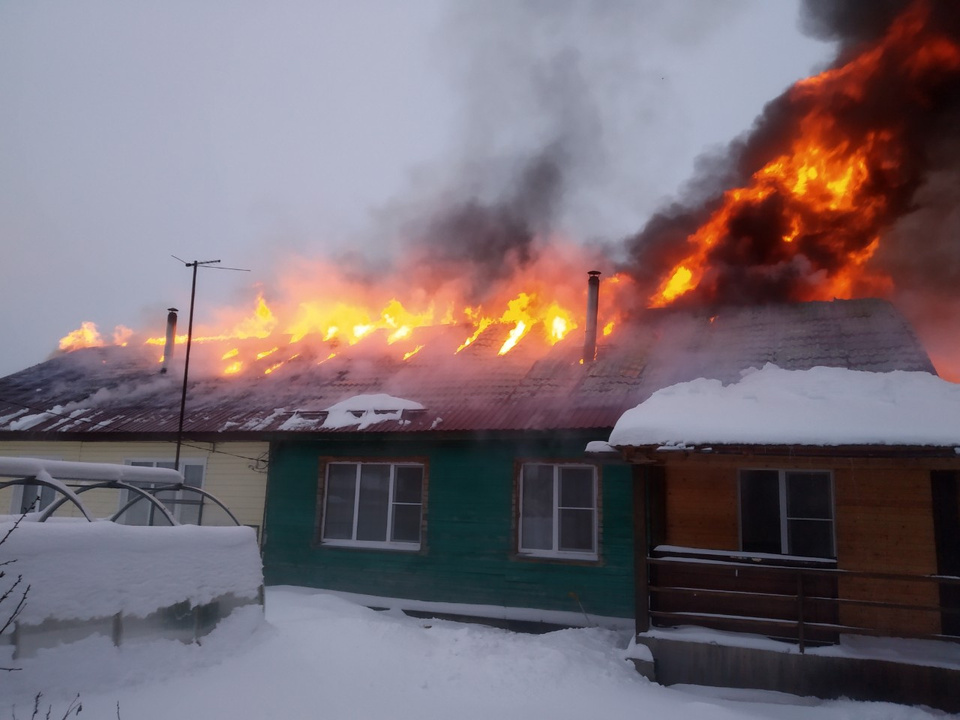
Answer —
(321, 656)
(820, 406)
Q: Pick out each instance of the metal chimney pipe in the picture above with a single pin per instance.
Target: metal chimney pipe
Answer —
(171, 339)
(593, 304)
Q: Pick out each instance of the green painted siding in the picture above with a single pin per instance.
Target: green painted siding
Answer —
(468, 548)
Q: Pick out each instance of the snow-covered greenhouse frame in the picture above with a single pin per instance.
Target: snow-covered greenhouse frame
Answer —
(86, 576)
(93, 476)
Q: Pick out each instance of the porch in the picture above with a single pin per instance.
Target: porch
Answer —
(791, 625)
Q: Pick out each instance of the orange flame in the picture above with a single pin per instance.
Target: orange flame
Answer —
(84, 336)
(545, 299)
(824, 183)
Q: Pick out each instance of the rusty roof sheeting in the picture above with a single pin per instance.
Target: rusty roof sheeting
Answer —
(118, 391)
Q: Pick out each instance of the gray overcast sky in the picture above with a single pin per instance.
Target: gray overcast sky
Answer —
(246, 131)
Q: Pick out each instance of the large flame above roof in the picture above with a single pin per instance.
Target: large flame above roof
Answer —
(812, 192)
(826, 170)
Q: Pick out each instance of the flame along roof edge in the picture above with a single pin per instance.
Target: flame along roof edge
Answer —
(112, 392)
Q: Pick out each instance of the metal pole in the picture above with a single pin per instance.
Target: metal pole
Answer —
(186, 364)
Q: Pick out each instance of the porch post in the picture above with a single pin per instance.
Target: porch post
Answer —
(641, 548)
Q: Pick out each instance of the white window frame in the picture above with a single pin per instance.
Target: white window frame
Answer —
(391, 503)
(555, 551)
(784, 518)
(181, 495)
(16, 501)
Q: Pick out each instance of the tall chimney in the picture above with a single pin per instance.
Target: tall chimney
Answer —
(593, 303)
(171, 339)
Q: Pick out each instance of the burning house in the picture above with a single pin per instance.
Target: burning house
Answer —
(430, 447)
(441, 476)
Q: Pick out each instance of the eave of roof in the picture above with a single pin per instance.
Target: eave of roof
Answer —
(661, 454)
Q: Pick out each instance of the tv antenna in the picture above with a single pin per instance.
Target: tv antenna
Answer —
(196, 264)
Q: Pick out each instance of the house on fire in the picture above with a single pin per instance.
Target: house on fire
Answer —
(833, 518)
(454, 481)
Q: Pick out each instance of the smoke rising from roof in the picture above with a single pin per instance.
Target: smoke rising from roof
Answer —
(552, 94)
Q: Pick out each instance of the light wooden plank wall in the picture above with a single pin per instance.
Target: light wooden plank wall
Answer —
(229, 473)
(885, 524)
(883, 521)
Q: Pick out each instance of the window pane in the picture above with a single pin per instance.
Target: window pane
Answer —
(808, 495)
(760, 510)
(576, 530)
(813, 538)
(536, 525)
(189, 513)
(47, 495)
(341, 490)
(31, 499)
(136, 514)
(576, 487)
(409, 480)
(193, 476)
(406, 523)
(374, 502)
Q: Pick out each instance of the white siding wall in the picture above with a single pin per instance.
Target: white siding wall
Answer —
(232, 473)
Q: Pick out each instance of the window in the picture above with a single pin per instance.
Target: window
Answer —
(31, 498)
(373, 505)
(558, 510)
(787, 512)
(185, 506)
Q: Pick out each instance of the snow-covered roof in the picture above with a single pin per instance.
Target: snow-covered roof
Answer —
(822, 406)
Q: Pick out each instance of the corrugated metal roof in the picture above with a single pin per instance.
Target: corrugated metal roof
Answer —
(534, 387)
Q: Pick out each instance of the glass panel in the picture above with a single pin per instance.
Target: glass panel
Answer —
(576, 530)
(193, 475)
(136, 514)
(812, 538)
(406, 523)
(47, 495)
(576, 487)
(760, 511)
(189, 513)
(374, 502)
(166, 464)
(409, 480)
(29, 501)
(808, 495)
(341, 492)
(536, 525)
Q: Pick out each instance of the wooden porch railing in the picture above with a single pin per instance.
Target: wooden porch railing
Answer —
(799, 603)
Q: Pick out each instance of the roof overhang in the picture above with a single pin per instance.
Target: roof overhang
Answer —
(662, 454)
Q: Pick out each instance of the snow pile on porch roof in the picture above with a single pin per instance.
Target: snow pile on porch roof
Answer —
(820, 406)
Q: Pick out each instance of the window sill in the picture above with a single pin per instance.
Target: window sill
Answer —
(372, 545)
(568, 556)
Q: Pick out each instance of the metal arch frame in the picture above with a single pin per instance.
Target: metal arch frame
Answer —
(34, 480)
(115, 485)
(210, 496)
(140, 494)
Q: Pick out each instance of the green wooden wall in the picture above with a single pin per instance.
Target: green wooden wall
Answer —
(467, 552)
